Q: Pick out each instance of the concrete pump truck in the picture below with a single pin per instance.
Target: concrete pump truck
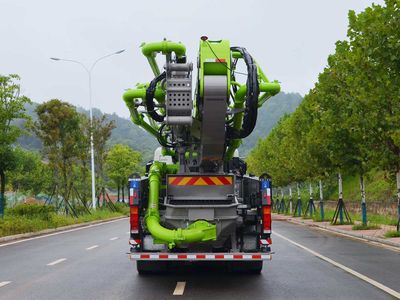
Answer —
(195, 202)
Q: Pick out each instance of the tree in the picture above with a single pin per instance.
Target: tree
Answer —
(122, 161)
(58, 126)
(30, 173)
(101, 133)
(11, 108)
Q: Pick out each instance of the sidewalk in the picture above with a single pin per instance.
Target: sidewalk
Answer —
(375, 235)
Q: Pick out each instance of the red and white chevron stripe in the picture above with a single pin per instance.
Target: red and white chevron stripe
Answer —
(200, 256)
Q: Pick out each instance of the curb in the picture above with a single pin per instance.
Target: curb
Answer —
(346, 233)
(20, 236)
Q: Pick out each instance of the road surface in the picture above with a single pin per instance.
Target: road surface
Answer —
(91, 263)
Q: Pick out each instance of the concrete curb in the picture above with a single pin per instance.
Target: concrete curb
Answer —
(20, 236)
(347, 233)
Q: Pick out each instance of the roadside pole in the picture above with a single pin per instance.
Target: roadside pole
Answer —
(341, 210)
(321, 201)
(363, 202)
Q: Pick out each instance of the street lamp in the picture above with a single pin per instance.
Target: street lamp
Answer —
(89, 72)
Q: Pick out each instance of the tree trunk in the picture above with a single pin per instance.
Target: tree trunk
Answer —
(123, 196)
(65, 190)
(118, 199)
(363, 202)
(2, 192)
(290, 200)
(398, 198)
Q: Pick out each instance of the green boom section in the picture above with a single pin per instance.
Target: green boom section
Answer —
(214, 60)
(199, 231)
(150, 50)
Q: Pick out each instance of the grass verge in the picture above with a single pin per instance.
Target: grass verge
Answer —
(392, 234)
(366, 227)
(33, 217)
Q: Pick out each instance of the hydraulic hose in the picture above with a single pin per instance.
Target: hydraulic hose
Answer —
(150, 98)
(252, 93)
(198, 231)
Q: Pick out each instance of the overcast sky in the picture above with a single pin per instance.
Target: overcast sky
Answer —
(290, 39)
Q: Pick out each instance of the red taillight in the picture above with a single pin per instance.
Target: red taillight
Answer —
(132, 196)
(267, 219)
(134, 219)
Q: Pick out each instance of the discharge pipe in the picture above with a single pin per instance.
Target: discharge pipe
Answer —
(150, 50)
(199, 231)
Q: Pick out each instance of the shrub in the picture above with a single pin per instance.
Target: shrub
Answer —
(392, 234)
(365, 227)
(32, 211)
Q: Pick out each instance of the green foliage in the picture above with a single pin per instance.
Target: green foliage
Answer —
(30, 174)
(59, 127)
(349, 122)
(11, 108)
(121, 162)
(372, 218)
(32, 211)
(392, 234)
(35, 217)
(379, 187)
(122, 208)
(366, 227)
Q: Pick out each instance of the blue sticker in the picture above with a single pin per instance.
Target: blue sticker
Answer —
(134, 183)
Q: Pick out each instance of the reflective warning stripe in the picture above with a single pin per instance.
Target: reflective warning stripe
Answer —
(200, 180)
(201, 256)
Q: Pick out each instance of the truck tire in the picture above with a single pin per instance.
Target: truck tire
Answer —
(151, 267)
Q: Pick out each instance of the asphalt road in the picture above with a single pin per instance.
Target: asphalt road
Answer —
(91, 263)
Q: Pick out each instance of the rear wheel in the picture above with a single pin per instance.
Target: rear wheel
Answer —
(151, 267)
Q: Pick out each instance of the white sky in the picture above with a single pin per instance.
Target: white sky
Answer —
(290, 39)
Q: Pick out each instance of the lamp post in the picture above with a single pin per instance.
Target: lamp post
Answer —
(89, 73)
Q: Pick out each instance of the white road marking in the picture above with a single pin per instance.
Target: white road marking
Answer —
(344, 268)
(92, 247)
(57, 261)
(180, 288)
(4, 283)
(60, 232)
(114, 238)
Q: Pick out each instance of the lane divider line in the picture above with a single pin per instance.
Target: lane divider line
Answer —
(180, 288)
(61, 232)
(56, 262)
(343, 267)
(92, 247)
(114, 238)
(4, 283)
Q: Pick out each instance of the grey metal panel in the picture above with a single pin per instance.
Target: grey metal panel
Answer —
(201, 214)
(214, 112)
(179, 102)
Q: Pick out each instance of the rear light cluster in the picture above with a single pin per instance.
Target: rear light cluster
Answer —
(266, 206)
(267, 219)
(134, 219)
(134, 190)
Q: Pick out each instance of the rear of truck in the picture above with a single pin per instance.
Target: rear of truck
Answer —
(238, 208)
(195, 202)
